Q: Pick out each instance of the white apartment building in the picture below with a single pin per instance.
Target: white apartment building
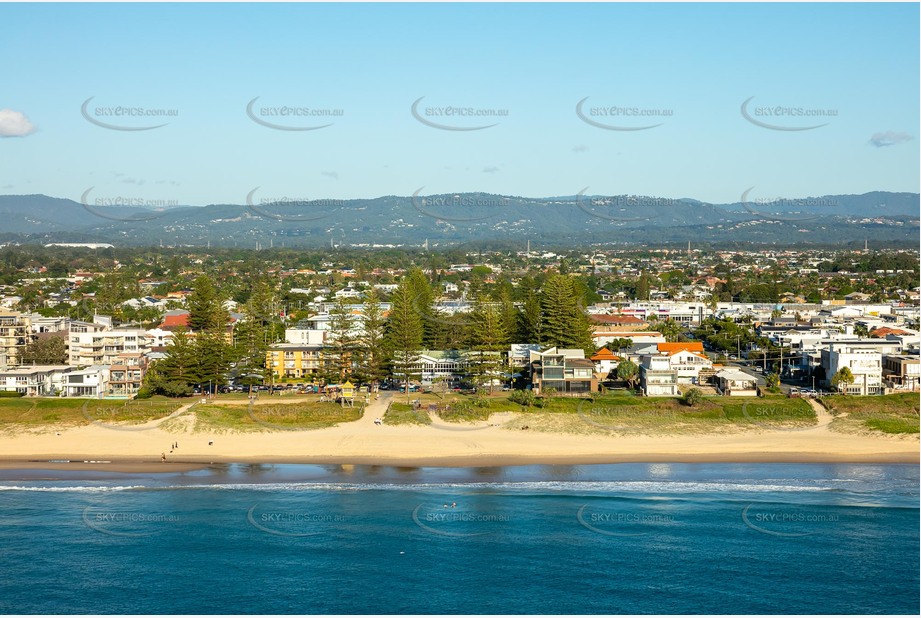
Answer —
(102, 347)
(864, 360)
(306, 336)
(92, 381)
(39, 380)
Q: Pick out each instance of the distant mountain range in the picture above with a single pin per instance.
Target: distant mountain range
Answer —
(452, 219)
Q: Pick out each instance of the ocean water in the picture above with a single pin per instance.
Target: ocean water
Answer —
(612, 539)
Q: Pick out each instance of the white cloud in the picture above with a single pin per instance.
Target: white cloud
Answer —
(14, 124)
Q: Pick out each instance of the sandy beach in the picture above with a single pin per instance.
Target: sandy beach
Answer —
(440, 444)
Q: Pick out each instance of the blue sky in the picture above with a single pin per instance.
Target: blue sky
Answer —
(695, 63)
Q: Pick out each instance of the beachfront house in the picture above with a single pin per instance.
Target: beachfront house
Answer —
(605, 362)
(657, 378)
(92, 381)
(735, 383)
(566, 371)
(687, 359)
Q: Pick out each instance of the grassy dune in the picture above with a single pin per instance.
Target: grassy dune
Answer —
(893, 414)
(619, 414)
(38, 412)
(272, 417)
(402, 414)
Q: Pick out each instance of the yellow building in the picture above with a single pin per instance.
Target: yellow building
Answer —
(293, 360)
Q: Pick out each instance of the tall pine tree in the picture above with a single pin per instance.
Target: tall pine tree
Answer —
(206, 311)
(488, 339)
(371, 341)
(341, 341)
(404, 332)
(564, 323)
(423, 301)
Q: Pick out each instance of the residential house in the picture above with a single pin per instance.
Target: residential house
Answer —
(519, 354)
(91, 381)
(565, 370)
(657, 378)
(605, 362)
(616, 323)
(645, 337)
(735, 383)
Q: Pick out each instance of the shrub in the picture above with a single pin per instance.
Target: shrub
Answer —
(144, 393)
(692, 397)
(175, 389)
(10, 394)
(524, 398)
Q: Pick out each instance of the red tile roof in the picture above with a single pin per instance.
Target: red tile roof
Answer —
(175, 321)
(604, 354)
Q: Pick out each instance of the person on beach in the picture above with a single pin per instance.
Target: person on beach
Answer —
(162, 457)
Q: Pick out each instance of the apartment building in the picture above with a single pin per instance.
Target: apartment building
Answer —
(294, 360)
(864, 360)
(15, 334)
(902, 371)
(92, 344)
(126, 374)
(34, 381)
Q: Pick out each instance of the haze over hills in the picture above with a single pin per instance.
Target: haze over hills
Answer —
(450, 219)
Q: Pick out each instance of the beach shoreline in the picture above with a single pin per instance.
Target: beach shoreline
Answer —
(188, 464)
(180, 447)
